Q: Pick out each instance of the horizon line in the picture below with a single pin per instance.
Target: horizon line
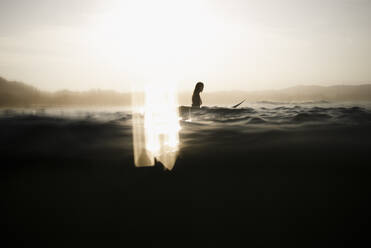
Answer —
(186, 91)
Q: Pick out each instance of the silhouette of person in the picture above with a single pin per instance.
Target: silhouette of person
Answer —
(196, 99)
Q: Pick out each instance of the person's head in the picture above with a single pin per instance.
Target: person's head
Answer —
(199, 87)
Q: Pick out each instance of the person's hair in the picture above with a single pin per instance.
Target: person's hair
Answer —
(199, 87)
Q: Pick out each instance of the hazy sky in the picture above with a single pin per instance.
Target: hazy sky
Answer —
(228, 44)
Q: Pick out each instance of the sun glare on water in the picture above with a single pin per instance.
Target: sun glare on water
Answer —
(155, 130)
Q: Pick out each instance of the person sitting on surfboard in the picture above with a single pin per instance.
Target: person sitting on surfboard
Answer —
(196, 99)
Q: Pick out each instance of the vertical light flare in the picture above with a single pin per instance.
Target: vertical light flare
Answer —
(156, 130)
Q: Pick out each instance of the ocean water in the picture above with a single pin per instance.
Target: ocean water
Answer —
(266, 173)
(208, 125)
(275, 114)
(264, 114)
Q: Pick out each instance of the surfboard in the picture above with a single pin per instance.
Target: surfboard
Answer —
(185, 111)
(238, 104)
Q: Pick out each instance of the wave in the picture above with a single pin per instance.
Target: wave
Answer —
(310, 117)
(299, 114)
(47, 133)
(296, 114)
(293, 102)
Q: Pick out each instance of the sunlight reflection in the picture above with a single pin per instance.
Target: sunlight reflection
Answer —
(155, 132)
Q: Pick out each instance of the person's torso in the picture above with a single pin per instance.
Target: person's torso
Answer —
(196, 100)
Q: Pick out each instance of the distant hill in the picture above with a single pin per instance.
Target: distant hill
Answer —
(17, 94)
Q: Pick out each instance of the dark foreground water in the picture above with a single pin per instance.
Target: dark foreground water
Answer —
(272, 174)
